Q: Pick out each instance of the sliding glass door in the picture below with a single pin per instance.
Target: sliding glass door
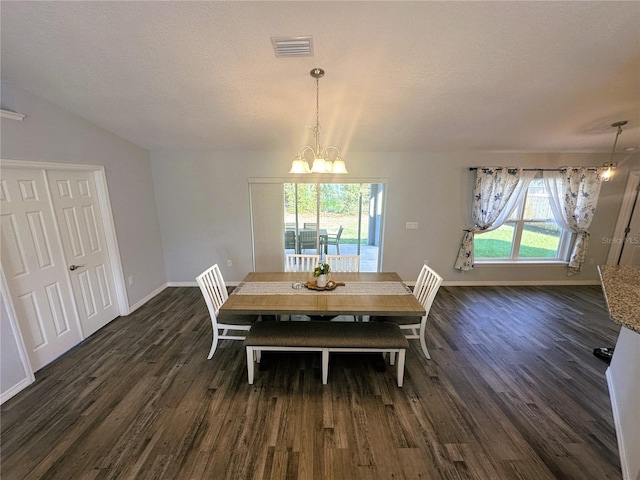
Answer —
(320, 218)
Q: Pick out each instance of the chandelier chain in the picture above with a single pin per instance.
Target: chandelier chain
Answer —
(316, 129)
(321, 161)
(619, 131)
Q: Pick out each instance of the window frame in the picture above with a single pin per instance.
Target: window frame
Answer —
(266, 210)
(566, 238)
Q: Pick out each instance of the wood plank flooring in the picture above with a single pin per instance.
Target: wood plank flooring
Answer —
(513, 392)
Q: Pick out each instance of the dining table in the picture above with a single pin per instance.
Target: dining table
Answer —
(356, 293)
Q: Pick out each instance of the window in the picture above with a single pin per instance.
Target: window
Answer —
(530, 233)
(281, 210)
(330, 218)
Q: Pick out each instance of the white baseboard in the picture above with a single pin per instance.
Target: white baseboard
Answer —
(140, 303)
(183, 284)
(517, 283)
(17, 388)
(624, 463)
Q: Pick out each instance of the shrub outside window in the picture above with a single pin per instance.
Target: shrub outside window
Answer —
(530, 233)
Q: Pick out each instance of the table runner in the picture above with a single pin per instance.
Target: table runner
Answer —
(350, 288)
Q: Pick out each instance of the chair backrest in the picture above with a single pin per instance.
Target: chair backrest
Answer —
(308, 238)
(213, 288)
(426, 287)
(343, 263)
(339, 233)
(289, 239)
(296, 262)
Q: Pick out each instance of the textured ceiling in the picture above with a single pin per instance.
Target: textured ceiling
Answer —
(400, 76)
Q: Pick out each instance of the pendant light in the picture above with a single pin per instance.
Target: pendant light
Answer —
(321, 160)
(608, 173)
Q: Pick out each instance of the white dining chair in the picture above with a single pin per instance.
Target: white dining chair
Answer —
(215, 293)
(427, 286)
(300, 262)
(343, 263)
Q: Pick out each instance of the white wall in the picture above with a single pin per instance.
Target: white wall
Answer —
(203, 206)
(51, 134)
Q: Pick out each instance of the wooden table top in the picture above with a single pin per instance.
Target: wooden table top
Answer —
(324, 303)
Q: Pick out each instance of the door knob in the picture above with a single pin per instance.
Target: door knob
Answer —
(73, 267)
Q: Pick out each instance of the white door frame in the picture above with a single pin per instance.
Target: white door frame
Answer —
(623, 217)
(22, 351)
(100, 178)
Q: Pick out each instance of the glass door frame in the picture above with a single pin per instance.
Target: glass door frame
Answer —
(321, 179)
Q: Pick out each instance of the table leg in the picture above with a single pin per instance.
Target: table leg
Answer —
(250, 364)
(401, 358)
(325, 366)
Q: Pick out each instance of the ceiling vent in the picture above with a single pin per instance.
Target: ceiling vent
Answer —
(293, 46)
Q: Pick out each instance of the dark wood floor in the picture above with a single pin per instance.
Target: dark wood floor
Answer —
(513, 392)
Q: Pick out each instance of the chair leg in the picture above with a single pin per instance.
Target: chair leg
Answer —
(214, 344)
(423, 344)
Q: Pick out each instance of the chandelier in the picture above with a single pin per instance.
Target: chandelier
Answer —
(322, 163)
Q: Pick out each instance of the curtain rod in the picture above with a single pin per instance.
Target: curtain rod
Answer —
(537, 169)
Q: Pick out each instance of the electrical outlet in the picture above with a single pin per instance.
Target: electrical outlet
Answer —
(130, 279)
(229, 263)
(411, 225)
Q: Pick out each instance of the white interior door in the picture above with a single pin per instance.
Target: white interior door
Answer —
(631, 246)
(34, 266)
(77, 210)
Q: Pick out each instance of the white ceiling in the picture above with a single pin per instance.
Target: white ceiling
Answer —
(400, 76)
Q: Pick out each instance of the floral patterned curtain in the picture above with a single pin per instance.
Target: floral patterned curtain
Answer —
(573, 194)
(495, 195)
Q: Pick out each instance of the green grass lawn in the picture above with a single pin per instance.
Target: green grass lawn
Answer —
(332, 223)
(536, 243)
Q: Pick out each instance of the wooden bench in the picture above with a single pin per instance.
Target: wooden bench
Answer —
(326, 337)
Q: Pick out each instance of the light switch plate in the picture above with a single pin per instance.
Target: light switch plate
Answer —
(411, 225)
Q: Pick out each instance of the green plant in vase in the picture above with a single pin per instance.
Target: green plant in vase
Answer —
(320, 272)
(321, 269)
